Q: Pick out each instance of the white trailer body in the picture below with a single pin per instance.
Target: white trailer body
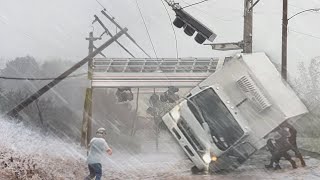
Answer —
(226, 118)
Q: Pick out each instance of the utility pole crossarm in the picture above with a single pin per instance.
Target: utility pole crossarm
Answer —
(91, 39)
(14, 112)
(254, 4)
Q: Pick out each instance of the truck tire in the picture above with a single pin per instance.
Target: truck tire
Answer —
(196, 170)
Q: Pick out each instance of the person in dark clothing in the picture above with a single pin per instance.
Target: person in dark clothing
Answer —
(293, 141)
(279, 149)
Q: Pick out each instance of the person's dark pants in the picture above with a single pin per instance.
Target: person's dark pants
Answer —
(293, 142)
(277, 156)
(95, 171)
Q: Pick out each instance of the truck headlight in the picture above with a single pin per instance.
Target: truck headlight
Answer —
(214, 158)
(175, 113)
(206, 158)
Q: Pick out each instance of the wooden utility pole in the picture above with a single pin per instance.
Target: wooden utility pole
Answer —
(87, 110)
(246, 43)
(87, 113)
(284, 39)
(247, 29)
(86, 130)
(91, 47)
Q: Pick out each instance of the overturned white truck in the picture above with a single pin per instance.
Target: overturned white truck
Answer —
(226, 118)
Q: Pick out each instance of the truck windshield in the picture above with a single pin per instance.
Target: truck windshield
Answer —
(224, 129)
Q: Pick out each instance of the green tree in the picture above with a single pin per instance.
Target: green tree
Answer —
(46, 112)
(308, 88)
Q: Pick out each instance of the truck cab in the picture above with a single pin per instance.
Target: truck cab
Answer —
(227, 117)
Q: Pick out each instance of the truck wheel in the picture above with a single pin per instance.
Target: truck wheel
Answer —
(195, 170)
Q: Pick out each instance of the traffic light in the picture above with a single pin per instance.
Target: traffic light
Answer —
(124, 94)
(169, 95)
(191, 25)
(152, 111)
(154, 105)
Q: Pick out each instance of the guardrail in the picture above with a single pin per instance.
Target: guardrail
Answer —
(155, 65)
(152, 73)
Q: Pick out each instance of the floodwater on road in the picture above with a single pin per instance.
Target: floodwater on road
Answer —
(25, 154)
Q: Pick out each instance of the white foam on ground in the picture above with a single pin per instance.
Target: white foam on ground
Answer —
(22, 139)
(61, 158)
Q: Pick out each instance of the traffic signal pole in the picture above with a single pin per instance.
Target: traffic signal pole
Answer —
(284, 39)
(246, 43)
(247, 26)
(133, 129)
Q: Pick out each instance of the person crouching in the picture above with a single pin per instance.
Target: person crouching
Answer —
(279, 148)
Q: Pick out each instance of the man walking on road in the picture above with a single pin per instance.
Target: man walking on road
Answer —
(97, 149)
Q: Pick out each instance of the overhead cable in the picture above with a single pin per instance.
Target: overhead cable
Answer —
(145, 25)
(40, 79)
(306, 34)
(102, 6)
(174, 32)
(112, 19)
(194, 4)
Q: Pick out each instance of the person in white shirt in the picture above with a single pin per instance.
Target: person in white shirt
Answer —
(97, 149)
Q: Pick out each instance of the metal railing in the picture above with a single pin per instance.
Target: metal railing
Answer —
(163, 65)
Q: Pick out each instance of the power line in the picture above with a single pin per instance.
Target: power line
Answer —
(103, 7)
(306, 34)
(229, 9)
(39, 79)
(296, 6)
(174, 32)
(218, 18)
(145, 25)
(195, 4)
(100, 5)
(112, 19)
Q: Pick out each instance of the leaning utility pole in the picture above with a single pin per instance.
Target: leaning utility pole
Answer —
(284, 39)
(247, 29)
(15, 111)
(112, 19)
(106, 31)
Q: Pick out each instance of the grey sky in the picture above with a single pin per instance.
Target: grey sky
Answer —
(48, 29)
